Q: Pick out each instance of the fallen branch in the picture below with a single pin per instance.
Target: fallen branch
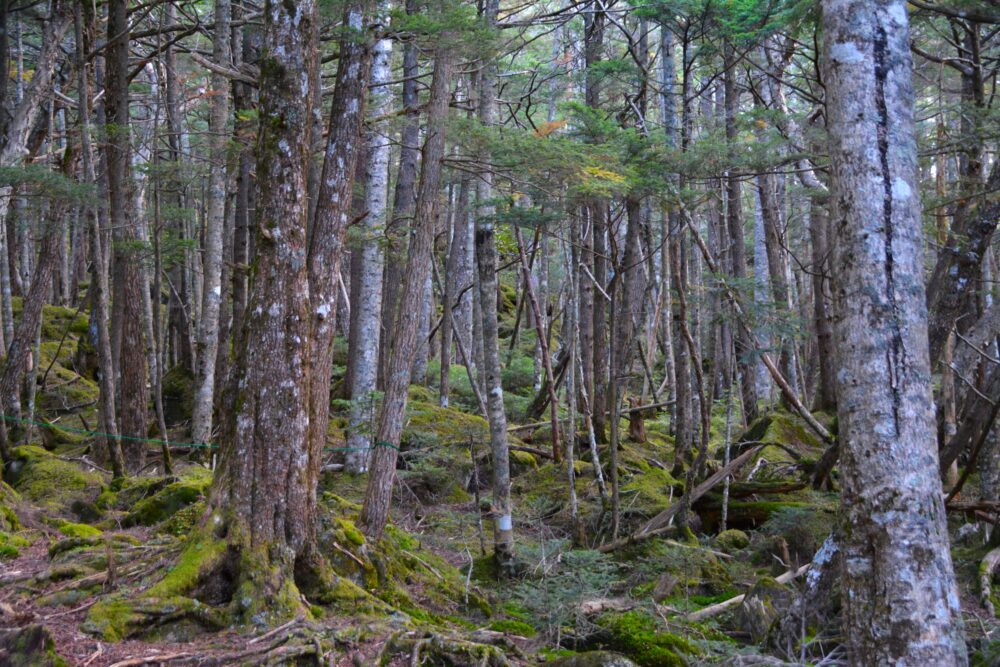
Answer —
(660, 522)
(638, 408)
(719, 607)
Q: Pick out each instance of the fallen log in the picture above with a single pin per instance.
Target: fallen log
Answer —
(660, 522)
(719, 607)
(638, 408)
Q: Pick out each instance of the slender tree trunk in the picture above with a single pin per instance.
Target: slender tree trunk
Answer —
(404, 199)
(898, 579)
(364, 351)
(326, 244)
(126, 312)
(734, 221)
(375, 511)
(211, 300)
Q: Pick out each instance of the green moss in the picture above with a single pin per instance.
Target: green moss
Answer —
(523, 459)
(351, 532)
(168, 501)
(732, 540)
(10, 544)
(81, 530)
(634, 633)
(514, 627)
(183, 521)
(50, 482)
(9, 499)
(200, 555)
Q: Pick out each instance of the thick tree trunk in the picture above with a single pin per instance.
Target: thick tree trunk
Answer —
(211, 299)
(378, 495)
(901, 601)
(262, 501)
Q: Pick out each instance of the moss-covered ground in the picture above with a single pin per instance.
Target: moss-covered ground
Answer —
(131, 564)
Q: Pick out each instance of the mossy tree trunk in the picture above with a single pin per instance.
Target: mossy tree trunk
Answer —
(901, 601)
(262, 502)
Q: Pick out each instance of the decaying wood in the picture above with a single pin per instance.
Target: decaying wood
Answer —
(660, 521)
(719, 607)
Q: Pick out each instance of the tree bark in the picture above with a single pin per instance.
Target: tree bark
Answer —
(126, 312)
(900, 595)
(326, 242)
(363, 352)
(262, 500)
(378, 494)
(211, 300)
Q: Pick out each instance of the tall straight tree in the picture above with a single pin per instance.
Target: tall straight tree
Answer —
(326, 240)
(378, 494)
(211, 299)
(364, 342)
(126, 311)
(486, 262)
(901, 602)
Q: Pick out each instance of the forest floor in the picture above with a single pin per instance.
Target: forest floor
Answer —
(80, 555)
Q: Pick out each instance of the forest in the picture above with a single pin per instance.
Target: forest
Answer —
(582, 333)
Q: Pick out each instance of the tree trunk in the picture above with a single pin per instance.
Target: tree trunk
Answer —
(126, 312)
(368, 309)
(734, 221)
(326, 242)
(404, 199)
(262, 501)
(898, 578)
(211, 300)
(378, 495)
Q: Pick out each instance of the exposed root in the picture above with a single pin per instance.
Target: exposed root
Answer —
(435, 649)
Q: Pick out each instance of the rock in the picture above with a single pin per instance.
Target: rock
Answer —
(766, 602)
(30, 646)
(594, 659)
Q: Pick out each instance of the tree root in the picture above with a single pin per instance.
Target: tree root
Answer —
(428, 648)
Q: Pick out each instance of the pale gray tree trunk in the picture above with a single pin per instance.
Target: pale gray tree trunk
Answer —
(901, 602)
(378, 494)
(486, 261)
(368, 309)
(211, 300)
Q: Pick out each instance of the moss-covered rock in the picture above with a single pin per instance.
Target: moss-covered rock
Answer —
(636, 635)
(169, 500)
(732, 540)
(54, 484)
(29, 646)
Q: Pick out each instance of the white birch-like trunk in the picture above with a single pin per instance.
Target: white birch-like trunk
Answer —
(901, 601)
(368, 309)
